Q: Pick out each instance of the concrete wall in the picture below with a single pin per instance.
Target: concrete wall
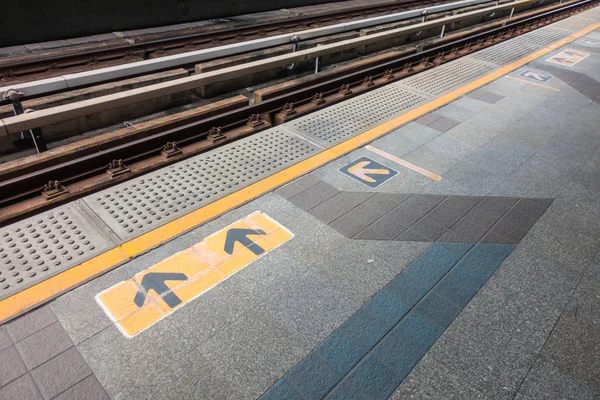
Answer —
(30, 21)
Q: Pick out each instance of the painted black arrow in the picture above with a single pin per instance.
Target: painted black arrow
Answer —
(156, 281)
(241, 235)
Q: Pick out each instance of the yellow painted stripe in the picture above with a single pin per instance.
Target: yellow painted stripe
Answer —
(404, 163)
(52, 287)
(532, 83)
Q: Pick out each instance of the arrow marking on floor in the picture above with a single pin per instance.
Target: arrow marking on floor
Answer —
(156, 281)
(241, 236)
(363, 173)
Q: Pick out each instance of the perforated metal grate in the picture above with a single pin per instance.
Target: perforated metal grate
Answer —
(352, 117)
(448, 76)
(142, 204)
(42, 246)
(574, 23)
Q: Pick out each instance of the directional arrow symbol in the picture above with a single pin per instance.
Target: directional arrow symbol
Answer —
(536, 76)
(241, 236)
(363, 173)
(156, 281)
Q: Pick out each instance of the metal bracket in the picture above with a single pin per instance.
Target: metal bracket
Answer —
(53, 189)
(116, 168)
(15, 96)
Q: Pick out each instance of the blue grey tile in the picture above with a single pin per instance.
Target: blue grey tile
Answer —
(439, 255)
(475, 276)
(459, 248)
(406, 289)
(438, 309)
(345, 391)
(366, 329)
(424, 271)
(419, 330)
(398, 353)
(281, 391)
(341, 352)
(387, 307)
(455, 290)
(488, 255)
(312, 377)
(374, 379)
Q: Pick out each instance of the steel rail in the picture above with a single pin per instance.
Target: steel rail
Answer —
(86, 78)
(95, 164)
(82, 108)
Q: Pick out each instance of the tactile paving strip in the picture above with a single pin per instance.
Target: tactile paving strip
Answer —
(448, 76)
(504, 53)
(543, 37)
(39, 247)
(592, 14)
(142, 204)
(574, 24)
(358, 114)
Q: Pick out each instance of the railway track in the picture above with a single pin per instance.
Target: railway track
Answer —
(28, 67)
(70, 176)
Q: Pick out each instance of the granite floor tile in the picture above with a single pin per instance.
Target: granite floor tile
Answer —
(313, 378)
(61, 373)
(89, 389)
(44, 345)
(443, 124)
(22, 388)
(11, 365)
(253, 353)
(431, 380)
(313, 196)
(311, 307)
(5, 340)
(30, 323)
(338, 205)
(382, 229)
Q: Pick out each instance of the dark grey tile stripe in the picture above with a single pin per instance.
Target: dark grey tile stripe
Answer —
(417, 217)
(38, 360)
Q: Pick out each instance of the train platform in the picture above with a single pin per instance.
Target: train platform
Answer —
(436, 238)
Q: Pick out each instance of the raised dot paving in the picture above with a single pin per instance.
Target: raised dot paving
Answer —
(39, 247)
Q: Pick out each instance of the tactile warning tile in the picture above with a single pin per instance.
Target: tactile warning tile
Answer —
(543, 37)
(447, 77)
(358, 114)
(504, 53)
(575, 23)
(42, 246)
(591, 14)
(514, 49)
(142, 204)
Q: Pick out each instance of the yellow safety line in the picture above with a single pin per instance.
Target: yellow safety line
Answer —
(406, 164)
(532, 83)
(54, 286)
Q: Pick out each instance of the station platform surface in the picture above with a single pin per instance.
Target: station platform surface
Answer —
(436, 238)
